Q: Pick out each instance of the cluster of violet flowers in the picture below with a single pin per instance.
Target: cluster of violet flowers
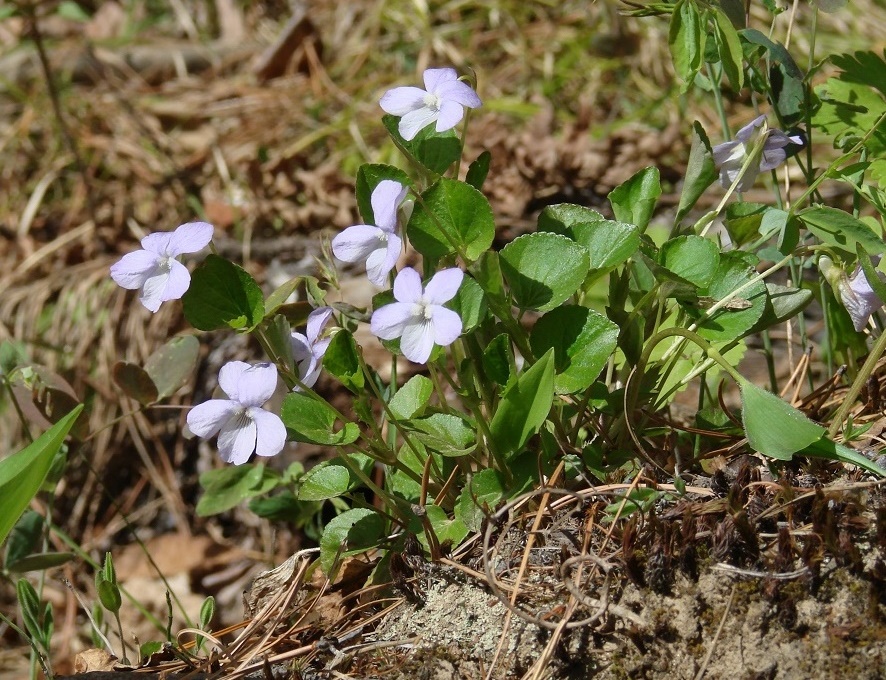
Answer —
(417, 316)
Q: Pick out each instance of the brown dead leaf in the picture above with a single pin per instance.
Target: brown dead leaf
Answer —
(90, 660)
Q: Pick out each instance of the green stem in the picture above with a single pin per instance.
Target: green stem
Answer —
(857, 385)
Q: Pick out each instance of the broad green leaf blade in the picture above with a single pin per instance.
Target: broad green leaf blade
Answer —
(692, 258)
(280, 296)
(451, 217)
(686, 40)
(342, 360)
(22, 473)
(729, 48)
(784, 303)
(23, 537)
(445, 433)
(222, 294)
(411, 399)
(446, 529)
(701, 172)
(313, 420)
(634, 201)
(135, 382)
(841, 230)
(582, 340)
(40, 561)
(524, 406)
(609, 243)
(478, 170)
(332, 478)
(479, 498)
(227, 487)
(774, 427)
(745, 309)
(349, 533)
(173, 364)
(745, 219)
(470, 304)
(498, 359)
(433, 150)
(543, 269)
(368, 177)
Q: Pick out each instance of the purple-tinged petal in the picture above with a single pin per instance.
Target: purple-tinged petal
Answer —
(133, 269)
(417, 341)
(320, 347)
(748, 131)
(301, 348)
(859, 298)
(771, 159)
(401, 100)
(208, 418)
(316, 322)
(309, 372)
(152, 290)
(443, 286)
(236, 441)
(434, 78)
(724, 152)
(414, 121)
(190, 238)
(158, 242)
(270, 432)
(229, 378)
(380, 262)
(391, 321)
(407, 286)
(257, 384)
(449, 116)
(459, 92)
(385, 199)
(447, 326)
(178, 282)
(357, 243)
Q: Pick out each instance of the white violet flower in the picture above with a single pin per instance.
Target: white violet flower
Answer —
(308, 349)
(155, 270)
(442, 101)
(418, 316)
(242, 424)
(730, 157)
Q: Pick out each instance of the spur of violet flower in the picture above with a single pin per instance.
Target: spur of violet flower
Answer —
(855, 292)
(308, 349)
(442, 101)
(243, 426)
(378, 244)
(418, 316)
(155, 270)
(730, 157)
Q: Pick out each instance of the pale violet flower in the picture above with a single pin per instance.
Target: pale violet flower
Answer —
(155, 270)
(242, 424)
(730, 157)
(378, 244)
(418, 316)
(308, 349)
(855, 292)
(442, 101)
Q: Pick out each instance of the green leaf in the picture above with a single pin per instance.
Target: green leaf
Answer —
(343, 361)
(825, 448)
(736, 269)
(332, 478)
(23, 537)
(451, 217)
(774, 427)
(692, 258)
(22, 473)
(701, 172)
(686, 40)
(744, 221)
(634, 201)
(543, 269)
(841, 230)
(478, 170)
(368, 177)
(135, 382)
(109, 595)
(29, 603)
(451, 531)
(171, 366)
(280, 296)
(470, 304)
(312, 420)
(227, 487)
(582, 340)
(67, 9)
(608, 243)
(783, 303)
(40, 561)
(207, 611)
(785, 77)
(448, 434)
(411, 399)
(351, 532)
(498, 359)
(433, 150)
(524, 406)
(479, 498)
(729, 48)
(222, 294)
